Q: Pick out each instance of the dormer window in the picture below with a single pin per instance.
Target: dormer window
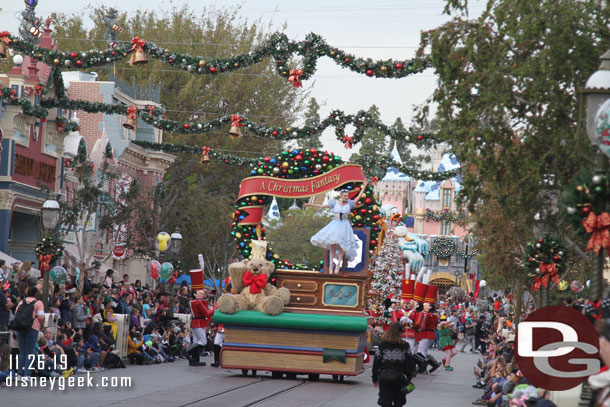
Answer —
(447, 197)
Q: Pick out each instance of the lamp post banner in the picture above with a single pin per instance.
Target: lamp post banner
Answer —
(302, 188)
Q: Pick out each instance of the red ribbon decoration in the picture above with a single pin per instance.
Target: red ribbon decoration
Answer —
(599, 228)
(67, 162)
(5, 37)
(137, 43)
(294, 78)
(45, 262)
(13, 93)
(132, 112)
(205, 154)
(236, 120)
(348, 141)
(548, 272)
(151, 110)
(38, 88)
(254, 282)
(374, 180)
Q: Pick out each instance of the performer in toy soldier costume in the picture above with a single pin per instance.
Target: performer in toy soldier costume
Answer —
(200, 321)
(426, 320)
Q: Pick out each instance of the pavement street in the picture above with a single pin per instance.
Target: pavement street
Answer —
(177, 384)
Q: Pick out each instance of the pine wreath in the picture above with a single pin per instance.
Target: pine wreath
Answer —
(49, 246)
(443, 247)
(545, 260)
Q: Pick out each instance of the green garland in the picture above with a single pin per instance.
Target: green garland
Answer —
(443, 247)
(66, 124)
(586, 194)
(50, 245)
(545, 252)
(297, 164)
(466, 255)
(375, 166)
(278, 47)
(444, 216)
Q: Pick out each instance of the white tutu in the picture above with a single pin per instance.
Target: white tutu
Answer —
(338, 231)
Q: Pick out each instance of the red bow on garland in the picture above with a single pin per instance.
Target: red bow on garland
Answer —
(13, 93)
(67, 162)
(256, 283)
(548, 272)
(45, 262)
(38, 88)
(137, 43)
(236, 120)
(151, 110)
(348, 141)
(5, 37)
(374, 180)
(294, 78)
(132, 112)
(599, 228)
(61, 126)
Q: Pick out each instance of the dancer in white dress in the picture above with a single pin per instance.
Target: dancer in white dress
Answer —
(338, 236)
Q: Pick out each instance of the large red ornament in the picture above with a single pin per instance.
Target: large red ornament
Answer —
(79, 62)
(369, 72)
(73, 54)
(398, 65)
(213, 69)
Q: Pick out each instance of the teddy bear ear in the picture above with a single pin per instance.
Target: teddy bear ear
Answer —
(236, 271)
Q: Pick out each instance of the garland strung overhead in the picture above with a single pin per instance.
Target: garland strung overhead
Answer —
(374, 166)
(278, 47)
(444, 216)
(544, 261)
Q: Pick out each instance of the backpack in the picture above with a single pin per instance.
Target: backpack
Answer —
(24, 318)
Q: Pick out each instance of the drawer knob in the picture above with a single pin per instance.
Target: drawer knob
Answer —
(299, 285)
(298, 299)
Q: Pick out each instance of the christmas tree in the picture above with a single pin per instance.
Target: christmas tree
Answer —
(388, 270)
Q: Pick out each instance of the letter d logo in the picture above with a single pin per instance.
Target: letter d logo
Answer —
(526, 338)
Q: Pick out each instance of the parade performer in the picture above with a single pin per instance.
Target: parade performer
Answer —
(338, 236)
(200, 321)
(446, 343)
(427, 322)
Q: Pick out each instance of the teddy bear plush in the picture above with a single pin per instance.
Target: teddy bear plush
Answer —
(249, 278)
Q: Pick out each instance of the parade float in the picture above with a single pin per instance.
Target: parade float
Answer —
(308, 321)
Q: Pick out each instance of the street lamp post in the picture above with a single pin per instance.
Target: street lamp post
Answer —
(596, 93)
(175, 247)
(50, 219)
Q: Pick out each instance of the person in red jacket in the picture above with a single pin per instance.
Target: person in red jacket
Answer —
(201, 314)
(426, 320)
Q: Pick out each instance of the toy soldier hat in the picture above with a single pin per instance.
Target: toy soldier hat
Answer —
(197, 279)
(431, 293)
(420, 292)
(408, 288)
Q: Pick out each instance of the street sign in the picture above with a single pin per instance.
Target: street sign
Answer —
(119, 252)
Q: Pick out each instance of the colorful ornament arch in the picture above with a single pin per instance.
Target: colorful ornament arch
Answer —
(298, 174)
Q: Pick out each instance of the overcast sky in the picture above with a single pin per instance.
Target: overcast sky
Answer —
(375, 29)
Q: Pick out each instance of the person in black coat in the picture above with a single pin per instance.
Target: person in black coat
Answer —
(392, 367)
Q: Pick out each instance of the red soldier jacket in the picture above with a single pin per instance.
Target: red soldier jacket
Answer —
(413, 330)
(427, 325)
(201, 314)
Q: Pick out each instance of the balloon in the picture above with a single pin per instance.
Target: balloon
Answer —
(483, 283)
(563, 285)
(163, 241)
(154, 267)
(588, 283)
(58, 275)
(577, 286)
(167, 269)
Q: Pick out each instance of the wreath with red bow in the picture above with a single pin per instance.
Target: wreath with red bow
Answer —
(545, 260)
(48, 250)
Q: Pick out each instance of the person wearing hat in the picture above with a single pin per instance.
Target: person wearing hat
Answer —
(446, 342)
(201, 314)
(427, 322)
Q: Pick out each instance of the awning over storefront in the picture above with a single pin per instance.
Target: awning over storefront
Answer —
(10, 260)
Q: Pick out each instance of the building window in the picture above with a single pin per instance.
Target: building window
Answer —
(24, 165)
(446, 198)
(446, 228)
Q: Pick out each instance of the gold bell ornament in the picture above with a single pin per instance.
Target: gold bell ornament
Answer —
(236, 123)
(132, 119)
(205, 156)
(4, 41)
(138, 56)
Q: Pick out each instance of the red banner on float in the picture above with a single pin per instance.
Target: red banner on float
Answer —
(302, 188)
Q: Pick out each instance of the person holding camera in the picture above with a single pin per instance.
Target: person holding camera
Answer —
(393, 367)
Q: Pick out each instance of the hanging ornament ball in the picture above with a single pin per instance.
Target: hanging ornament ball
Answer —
(369, 72)
(384, 69)
(399, 65)
(586, 209)
(56, 61)
(73, 54)
(299, 157)
(597, 179)
(571, 210)
(213, 69)
(560, 253)
(285, 164)
(556, 258)
(67, 63)
(537, 270)
(254, 198)
(563, 285)
(79, 63)
(576, 286)
(538, 245)
(318, 167)
(580, 188)
(276, 170)
(202, 63)
(540, 240)
(599, 189)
